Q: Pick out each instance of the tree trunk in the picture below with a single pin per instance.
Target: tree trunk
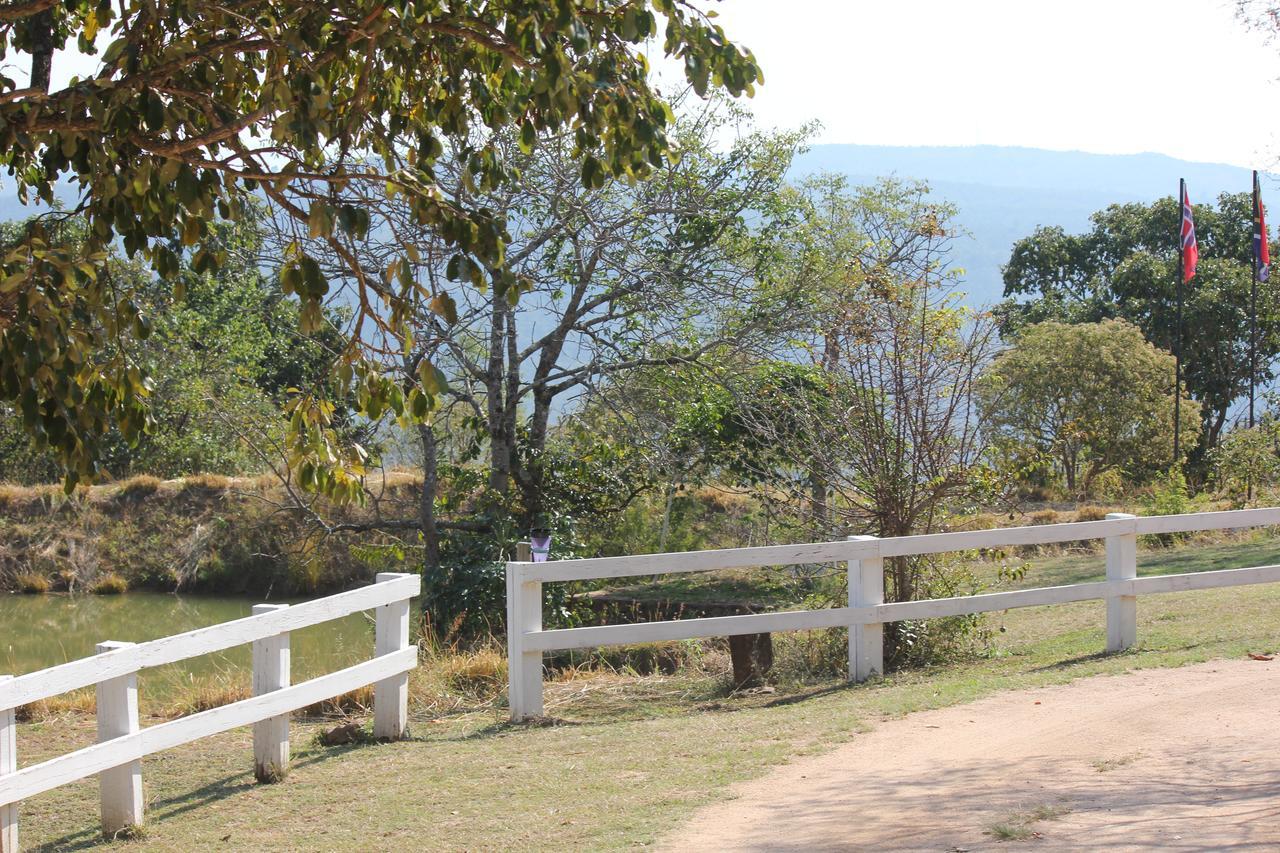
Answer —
(427, 501)
(494, 380)
(41, 50)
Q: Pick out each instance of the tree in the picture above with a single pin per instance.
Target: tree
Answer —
(616, 278)
(1087, 398)
(220, 360)
(197, 107)
(1125, 268)
(883, 418)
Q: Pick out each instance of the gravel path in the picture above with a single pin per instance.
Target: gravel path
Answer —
(1175, 759)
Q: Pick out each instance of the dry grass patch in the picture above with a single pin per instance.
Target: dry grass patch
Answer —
(32, 583)
(1020, 826)
(1105, 765)
(109, 584)
(137, 488)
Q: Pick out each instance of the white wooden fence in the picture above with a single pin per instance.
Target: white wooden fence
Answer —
(866, 612)
(122, 743)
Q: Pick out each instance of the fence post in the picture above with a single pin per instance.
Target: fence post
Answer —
(1122, 610)
(120, 787)
(866, 589)
(8, 764)
(524, 614)
(270, 672)
(391, 695)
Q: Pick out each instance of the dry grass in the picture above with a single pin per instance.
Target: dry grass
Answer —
(32, 583)
(204, 696)
(1105, 765)
(1089, 512)
(137, 488)
(479, 675)
(1020, 826)
(76, 703)
(204, 483)
(109, 584)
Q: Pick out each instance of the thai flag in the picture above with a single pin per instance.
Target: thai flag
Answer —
(1190, 251)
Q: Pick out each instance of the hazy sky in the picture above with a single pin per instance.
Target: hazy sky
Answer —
(1180, 77)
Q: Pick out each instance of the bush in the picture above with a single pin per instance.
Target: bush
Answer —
(1247, 457)
(1169, 496)
(31, 583)
(109, 584)
(802, 657)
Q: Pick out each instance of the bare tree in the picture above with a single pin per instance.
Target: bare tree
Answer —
(610, 280)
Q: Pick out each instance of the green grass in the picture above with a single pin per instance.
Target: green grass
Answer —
(1251, 549)
(628, 759)
(753, 587)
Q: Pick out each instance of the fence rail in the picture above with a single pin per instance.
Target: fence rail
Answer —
(866, 612)
(116, 758)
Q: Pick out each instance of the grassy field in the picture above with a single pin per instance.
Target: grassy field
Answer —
(628, 758)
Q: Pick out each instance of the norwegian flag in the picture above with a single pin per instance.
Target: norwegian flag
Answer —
(1190, 251)
(1261, 239)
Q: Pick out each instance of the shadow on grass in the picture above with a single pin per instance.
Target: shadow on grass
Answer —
(170, 807)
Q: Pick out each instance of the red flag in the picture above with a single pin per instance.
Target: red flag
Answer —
(1190, 251)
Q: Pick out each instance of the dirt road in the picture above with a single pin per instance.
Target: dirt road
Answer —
(1175, 759)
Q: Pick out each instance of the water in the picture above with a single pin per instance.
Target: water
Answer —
(38, 631)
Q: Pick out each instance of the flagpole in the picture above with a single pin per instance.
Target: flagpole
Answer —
(1177, 347)
(1253, 312)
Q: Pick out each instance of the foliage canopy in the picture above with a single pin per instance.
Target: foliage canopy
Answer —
(197, 106)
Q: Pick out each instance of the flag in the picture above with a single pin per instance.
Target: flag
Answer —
(1261, 239)
(1190, 251)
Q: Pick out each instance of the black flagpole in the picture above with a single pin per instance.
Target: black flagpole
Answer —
(1253, 301)
(1253, 309)
(1177, 347)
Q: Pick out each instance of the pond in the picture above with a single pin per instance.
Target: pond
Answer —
(38, 631)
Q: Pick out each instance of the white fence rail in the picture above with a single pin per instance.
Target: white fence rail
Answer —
(122, 743)
(866, 612)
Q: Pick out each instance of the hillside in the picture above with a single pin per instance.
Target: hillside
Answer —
(1005, 193)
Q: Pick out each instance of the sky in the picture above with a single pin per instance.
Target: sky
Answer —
(1185, 78)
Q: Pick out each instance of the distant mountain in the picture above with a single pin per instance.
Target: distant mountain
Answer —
(1003, 194)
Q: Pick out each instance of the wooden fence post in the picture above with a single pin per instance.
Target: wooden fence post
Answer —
(866, 642)
(1122, 610)
(270, 673)
(8, 764)
(524, 613)
(391, 695)
(120, 787)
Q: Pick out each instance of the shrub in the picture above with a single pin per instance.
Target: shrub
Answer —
(801, 657)
(109, 584)
(1247, 457)
(1169, 496)
(31, 583)
(1045, 516)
